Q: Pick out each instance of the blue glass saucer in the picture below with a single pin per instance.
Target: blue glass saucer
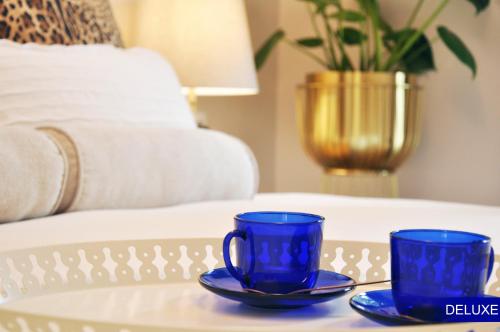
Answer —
(220, 282)
(379, 306)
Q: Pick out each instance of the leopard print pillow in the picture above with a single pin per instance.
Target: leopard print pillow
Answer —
(58, 22)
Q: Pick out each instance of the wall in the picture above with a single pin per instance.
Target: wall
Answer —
(294, 171)
(124, 12)
(459, 155)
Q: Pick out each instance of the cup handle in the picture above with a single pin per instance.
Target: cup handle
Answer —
(491, 263)
(226, 252)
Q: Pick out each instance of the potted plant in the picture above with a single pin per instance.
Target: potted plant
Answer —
(361, 113)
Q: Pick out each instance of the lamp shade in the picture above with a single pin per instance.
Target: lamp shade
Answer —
(206, 41)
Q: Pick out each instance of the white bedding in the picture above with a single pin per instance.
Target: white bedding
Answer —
(347, 218)
(43, 84)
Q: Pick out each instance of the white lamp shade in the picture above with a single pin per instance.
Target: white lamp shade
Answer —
(206, 41)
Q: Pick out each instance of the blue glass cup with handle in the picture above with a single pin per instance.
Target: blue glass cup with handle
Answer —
(430, 266)
(277, 252)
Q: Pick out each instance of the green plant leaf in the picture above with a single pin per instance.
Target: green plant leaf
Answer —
(310, 42)
(349, 15)
(480, 5)
(351, 36)
(323, 2)
(346, 63)
(384, 25)
(392, 38)
(371, 8)
(321, 5)
(262, 54)
(457, 47)
(368, 5)
(419, 57)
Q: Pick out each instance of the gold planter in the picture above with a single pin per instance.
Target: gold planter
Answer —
(359, 121)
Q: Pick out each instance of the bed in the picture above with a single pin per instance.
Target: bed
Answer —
(347, 218)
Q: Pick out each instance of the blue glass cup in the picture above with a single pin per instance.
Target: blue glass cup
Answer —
(277, 252)
(429, 266)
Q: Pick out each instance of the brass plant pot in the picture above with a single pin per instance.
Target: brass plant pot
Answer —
(359, 121)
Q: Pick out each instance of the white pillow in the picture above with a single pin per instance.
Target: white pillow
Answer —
(40, 84)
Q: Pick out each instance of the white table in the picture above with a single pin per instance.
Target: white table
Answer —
(187, 305)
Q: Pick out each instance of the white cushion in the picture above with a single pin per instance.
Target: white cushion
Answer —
(80, 167)
(143, 167)
(31, 174)
(40, 84)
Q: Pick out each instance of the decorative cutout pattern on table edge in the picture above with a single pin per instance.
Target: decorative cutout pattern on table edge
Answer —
(46, 270)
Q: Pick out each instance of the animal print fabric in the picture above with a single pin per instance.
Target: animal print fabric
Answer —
(58, 22)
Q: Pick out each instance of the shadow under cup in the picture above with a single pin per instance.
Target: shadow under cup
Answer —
(430, 266)
(277, 252)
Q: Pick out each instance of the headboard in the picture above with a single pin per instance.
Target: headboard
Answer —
(58, 22)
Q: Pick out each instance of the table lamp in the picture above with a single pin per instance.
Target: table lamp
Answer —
(206, 41)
